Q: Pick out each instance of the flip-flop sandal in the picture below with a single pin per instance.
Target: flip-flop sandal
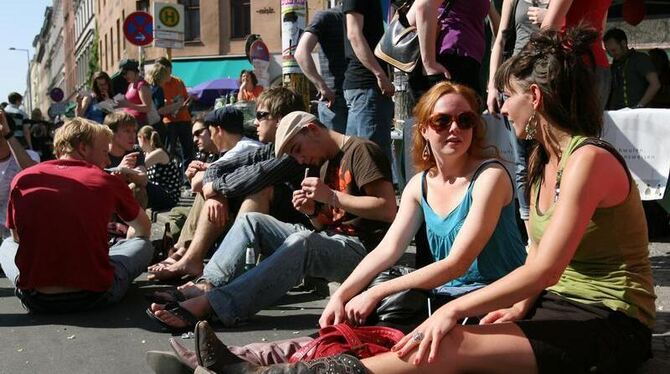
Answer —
(174, 296)
(179, 312)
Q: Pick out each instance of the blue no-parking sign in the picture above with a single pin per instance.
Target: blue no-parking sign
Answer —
(138, 28)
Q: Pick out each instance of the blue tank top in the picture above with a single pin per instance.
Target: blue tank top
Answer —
(503, 253)
(94, 112)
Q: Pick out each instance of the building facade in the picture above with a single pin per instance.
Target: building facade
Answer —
(84, 39)
(215, 35)
(40, 73)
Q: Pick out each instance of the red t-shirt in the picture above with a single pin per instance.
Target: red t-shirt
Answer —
(592, 12)
(60, 211)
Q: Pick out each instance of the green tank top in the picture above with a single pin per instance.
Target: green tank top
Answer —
(611, 266)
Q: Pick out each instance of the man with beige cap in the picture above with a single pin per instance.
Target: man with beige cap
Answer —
(350, 204)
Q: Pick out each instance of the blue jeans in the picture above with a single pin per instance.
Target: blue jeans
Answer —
(521, 149)
(335, 117)
(129, 257)
(290, 252)
(370, 116)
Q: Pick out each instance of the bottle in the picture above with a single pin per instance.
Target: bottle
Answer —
(250, 260)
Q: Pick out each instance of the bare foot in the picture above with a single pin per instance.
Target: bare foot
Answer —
(172, 259)
(192, 289)
(179, 269)
(199, 307)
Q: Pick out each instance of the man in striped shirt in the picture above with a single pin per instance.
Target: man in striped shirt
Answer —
(254, 181)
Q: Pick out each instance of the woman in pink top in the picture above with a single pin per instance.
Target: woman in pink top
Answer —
(137, 100)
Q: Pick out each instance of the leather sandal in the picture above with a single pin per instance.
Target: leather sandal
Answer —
(178, 311)
(173, 295)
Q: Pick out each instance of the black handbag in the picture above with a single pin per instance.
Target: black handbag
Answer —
(409, 307)
(399, 46)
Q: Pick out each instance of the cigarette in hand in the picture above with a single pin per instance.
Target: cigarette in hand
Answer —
(306, 173)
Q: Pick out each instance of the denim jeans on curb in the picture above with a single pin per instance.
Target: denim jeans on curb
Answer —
(129, 257)
(335, 117)
(370, 116)
(290, 252)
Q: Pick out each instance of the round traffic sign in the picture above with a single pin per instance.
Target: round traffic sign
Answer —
(169, 16)
(259, 51)
(56, 94)
(138, 28)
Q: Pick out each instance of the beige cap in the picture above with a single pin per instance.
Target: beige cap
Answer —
(289, 126)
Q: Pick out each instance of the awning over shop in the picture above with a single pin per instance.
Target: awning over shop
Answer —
(194, 72)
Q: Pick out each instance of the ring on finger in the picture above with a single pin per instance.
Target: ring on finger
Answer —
(417, 336)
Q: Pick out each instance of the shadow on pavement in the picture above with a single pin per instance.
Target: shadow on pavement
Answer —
(660, 267)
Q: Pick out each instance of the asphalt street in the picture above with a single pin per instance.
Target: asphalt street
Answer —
(115, 340)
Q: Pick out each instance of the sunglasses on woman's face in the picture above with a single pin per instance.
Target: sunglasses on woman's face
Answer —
(260, 115)
(442, 121)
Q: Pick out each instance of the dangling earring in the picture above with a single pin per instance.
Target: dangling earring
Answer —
(531, 126)
(425, 155)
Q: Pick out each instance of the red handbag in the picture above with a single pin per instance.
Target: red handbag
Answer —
(362, 342)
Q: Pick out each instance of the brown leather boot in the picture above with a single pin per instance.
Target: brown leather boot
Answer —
(214, 356)
(341, 364)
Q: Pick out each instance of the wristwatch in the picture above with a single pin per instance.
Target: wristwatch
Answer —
(9, 135)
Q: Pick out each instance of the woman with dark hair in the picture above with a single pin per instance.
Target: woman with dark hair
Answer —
(87, 106)
(584, 300)
(164, 175)
(249, 88)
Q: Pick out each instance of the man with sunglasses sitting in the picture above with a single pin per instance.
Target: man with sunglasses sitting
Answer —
(254, 181)
(350, 205)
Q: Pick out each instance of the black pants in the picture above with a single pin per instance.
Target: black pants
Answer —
(181, 131)
(159, 198)
(463, 70)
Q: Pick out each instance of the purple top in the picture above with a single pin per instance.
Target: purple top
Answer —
(461, 32)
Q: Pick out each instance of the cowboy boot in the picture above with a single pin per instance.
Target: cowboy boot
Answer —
(214, 356)
(341, 364)
(185, 355)
(166, 363)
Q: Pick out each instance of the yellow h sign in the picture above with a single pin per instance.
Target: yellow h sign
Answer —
(169, 16)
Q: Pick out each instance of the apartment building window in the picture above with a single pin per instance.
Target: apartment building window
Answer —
(111, 43)
(118, 38)
(123, 17)
(106, 55)
(191, 19)
(240, 18)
